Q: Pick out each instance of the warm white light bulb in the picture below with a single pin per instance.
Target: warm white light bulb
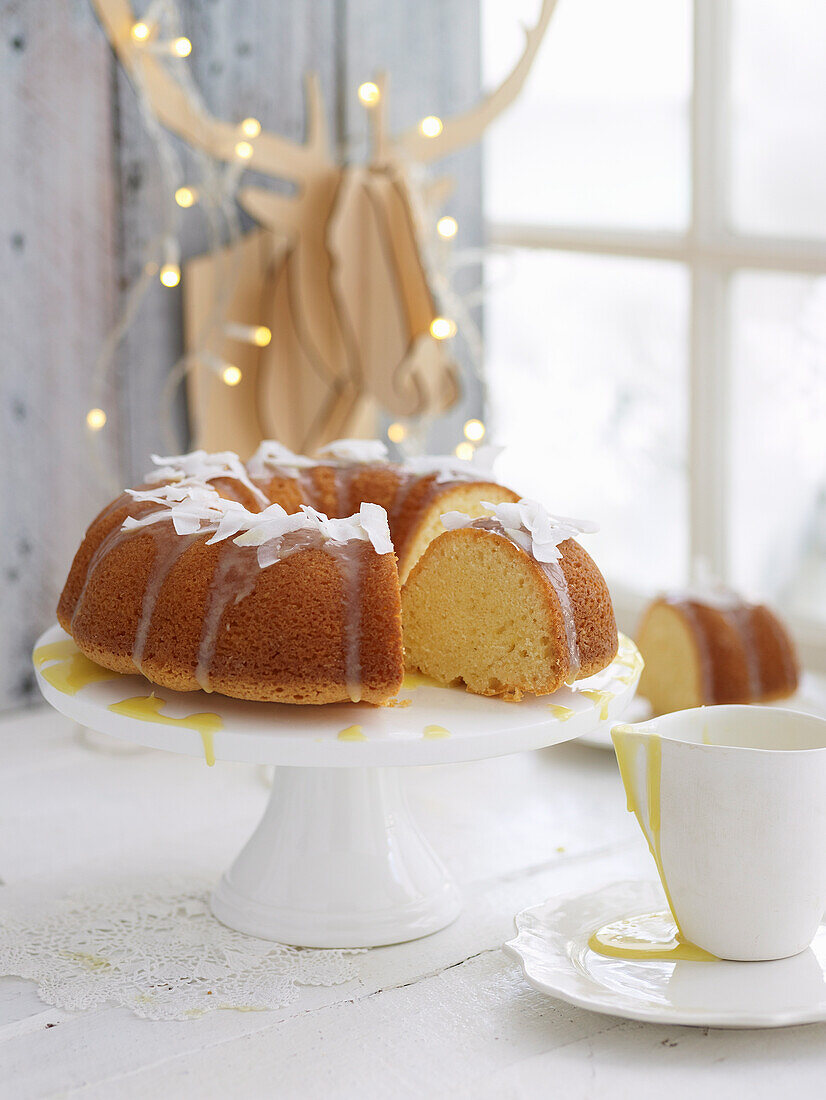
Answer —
(369, 93)
(259, 335)
(396, 433)
(431, 126)
(251, 127)
(182, 47)
(231, 375)
(170, 274)
(140, 32)
(243, 150)
(442, 328)
(465, 451)
(447, 227)
(95, 419)
(474, 430)
(186, 197)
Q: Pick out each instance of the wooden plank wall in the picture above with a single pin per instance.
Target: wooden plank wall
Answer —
(58, 294)
(81, 196)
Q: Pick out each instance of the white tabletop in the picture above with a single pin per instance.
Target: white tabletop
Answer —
(446, 1015)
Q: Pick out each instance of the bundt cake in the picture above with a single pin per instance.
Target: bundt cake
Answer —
(174, 579)
(508, 604)
(713, 647)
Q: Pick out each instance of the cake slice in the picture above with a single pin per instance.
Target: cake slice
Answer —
(712, 647)
(508, 604)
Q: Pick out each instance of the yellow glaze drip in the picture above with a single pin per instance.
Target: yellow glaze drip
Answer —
(414, 680)
(560, 713)
(434, 732)
(54, 651)
(629, 657)
(650, 936)
(147, 708)
(352, 733)
(601, 699)
(74, 673)
(627, 766)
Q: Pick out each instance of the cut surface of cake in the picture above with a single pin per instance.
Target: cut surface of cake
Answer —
(713, 647)
(274, 580)
(508, 604)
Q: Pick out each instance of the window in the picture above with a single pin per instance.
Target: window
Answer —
(656, 306)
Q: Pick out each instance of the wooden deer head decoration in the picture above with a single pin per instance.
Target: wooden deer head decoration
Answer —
(336, 271)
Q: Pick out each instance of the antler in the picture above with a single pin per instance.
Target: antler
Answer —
(466, 128)
(271, 154)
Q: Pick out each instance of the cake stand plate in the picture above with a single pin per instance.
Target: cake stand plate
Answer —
(337, 860)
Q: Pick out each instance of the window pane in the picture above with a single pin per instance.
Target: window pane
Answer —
(586, 363)
(779, 117)
(778, 446)
(600, 132)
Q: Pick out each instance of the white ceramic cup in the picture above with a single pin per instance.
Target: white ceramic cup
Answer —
(732, 802)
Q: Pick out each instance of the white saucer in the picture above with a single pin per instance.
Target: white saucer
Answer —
(552, 946)
(810, 698)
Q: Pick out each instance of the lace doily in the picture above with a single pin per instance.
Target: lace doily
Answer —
(156, 950)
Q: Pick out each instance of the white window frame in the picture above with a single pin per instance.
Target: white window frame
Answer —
(712, 252)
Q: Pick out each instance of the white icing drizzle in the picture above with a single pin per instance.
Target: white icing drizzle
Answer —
(166, 555)
(740, 618)
(539, 534)
(556, 575)
(342, 477)
(236, 574)
(350, 571)
(107, 544)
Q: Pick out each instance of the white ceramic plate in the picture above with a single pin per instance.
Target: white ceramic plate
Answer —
(552, 946)
(810, 698)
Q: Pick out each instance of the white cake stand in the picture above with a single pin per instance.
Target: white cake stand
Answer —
(337, 860)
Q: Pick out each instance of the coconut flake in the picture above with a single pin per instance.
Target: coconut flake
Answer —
(529, 525)
(273, 457)
(188, 504)
(196, 507)
(202, 467)
(358, 452)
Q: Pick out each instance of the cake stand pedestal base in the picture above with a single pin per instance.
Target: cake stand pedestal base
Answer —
(337, 861)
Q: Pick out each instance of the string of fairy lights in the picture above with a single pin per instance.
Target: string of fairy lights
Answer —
(214, 193)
